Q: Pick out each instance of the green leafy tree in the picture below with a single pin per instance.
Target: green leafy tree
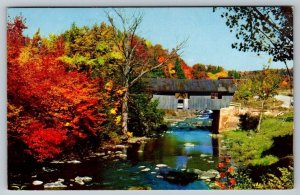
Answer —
(263, 30)
(265, 86)
(179, 71)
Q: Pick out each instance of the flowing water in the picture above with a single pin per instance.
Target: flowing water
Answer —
(178, 148)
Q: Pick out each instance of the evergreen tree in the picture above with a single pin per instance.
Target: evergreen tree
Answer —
(179, 71)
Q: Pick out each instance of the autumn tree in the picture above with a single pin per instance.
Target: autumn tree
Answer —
(49, 109)
(263, 30)
(199, 71)
(134, 63)
(265, 85)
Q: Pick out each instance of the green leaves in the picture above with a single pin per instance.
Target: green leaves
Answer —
(262, 29)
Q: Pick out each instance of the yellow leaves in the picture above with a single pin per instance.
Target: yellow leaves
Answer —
(116, 55)
(121, 91)
(13, 110)
(148, 44)
(217, 75)
(113, 111)
(67, 124)
(129, 134)
(109, 85)
(118, 119)
(171, 69)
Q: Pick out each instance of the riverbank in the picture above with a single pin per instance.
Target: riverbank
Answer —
(260, 153)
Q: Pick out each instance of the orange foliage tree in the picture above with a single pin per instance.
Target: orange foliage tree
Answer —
(49, 108)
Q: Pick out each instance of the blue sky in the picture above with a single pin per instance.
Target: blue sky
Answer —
(209, 40)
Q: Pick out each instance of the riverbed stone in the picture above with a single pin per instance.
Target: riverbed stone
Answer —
(83, 180)
(198, 171)
(122, 156)
(105, 157)
(47, 169)
(57, 162)
(189, 145)
(120, 146)
(146, 170)
(73, 162)
(60, 179)
(213, 171)
(15, 187)
(161, 165)
(37, 182)
(204, 155)
(207, 175)
(58, 185)
(100, 154)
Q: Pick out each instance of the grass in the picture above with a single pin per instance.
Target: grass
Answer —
(247, 147)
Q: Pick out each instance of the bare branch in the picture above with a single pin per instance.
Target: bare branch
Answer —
(172, 54)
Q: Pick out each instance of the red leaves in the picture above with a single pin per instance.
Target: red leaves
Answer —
(227, 174)
(43, 142)
(221, 165)
(232, 181)
(62, 102)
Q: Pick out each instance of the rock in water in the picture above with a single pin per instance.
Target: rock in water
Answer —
(58, 185)
(189, 145)
(123, 156)
(178, 177)
(207, 175)
(141, 167)
(37, 182)
(161, 165)
(145, 170)
(82, 180)
(203, 155)
(57, 162)
(74, 162)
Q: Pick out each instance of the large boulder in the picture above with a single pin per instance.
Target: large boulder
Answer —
(177, 176)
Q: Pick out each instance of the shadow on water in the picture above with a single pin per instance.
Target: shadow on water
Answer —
(177, 149)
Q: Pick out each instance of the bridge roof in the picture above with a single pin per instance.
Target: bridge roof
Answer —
(187, 85)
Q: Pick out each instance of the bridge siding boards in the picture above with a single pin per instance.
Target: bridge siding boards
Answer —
(195, 102)
(199, 93)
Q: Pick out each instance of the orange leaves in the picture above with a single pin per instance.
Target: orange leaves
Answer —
(161, 59)
(186, 70)
(227, 174)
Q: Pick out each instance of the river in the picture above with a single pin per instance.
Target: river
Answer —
(178, 149)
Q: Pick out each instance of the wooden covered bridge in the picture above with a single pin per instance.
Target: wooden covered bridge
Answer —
(195, 95)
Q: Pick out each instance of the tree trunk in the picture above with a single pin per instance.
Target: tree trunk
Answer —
(261, 115)
(125, 112)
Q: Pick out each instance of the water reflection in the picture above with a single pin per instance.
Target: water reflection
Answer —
(179, 149)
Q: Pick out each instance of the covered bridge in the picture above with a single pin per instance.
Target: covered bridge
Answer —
(193, 95)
